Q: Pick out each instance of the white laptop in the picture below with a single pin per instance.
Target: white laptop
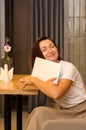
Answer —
(45, 69)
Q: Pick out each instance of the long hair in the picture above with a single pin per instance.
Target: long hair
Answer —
(36, 52)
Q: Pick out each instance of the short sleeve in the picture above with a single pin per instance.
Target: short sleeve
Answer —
(68, 71)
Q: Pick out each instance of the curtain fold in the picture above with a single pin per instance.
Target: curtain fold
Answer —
(48, 20)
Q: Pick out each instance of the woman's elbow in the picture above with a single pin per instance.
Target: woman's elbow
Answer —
(55, 95)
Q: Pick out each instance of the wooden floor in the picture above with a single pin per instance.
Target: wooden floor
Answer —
(25, 116)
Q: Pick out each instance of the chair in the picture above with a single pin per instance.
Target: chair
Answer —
(66, 124)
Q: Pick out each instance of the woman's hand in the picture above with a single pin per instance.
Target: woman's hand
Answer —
(53, 80)
(24, 81)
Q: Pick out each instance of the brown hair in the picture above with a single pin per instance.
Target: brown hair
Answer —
(36, 52)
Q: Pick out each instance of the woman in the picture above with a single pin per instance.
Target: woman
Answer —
(69, 93)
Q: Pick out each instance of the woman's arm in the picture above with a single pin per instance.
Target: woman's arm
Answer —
(48, 87)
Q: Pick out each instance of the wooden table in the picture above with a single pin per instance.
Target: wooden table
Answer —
(10, 88)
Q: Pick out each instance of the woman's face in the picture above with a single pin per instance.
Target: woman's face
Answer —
(49, 50)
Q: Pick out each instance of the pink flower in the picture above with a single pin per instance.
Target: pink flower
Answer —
(7, 48)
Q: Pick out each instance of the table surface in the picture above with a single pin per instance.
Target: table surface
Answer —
(11, 87)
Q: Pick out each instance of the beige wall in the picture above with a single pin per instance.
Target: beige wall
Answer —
(2, 26)
(77, 35)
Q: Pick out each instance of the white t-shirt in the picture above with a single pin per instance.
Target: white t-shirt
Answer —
(77, 93)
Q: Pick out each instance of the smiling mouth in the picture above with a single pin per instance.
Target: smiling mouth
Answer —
(51, 55)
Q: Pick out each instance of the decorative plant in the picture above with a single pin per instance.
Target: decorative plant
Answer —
(7, 49)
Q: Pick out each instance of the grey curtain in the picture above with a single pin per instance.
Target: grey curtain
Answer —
(47, 19)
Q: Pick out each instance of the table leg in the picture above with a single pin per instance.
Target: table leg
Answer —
(7, 112)
(19, 111)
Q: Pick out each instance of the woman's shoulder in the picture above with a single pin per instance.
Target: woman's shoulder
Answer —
(68, 70)
(67, 63)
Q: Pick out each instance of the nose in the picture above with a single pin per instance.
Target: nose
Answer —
(49, 50)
